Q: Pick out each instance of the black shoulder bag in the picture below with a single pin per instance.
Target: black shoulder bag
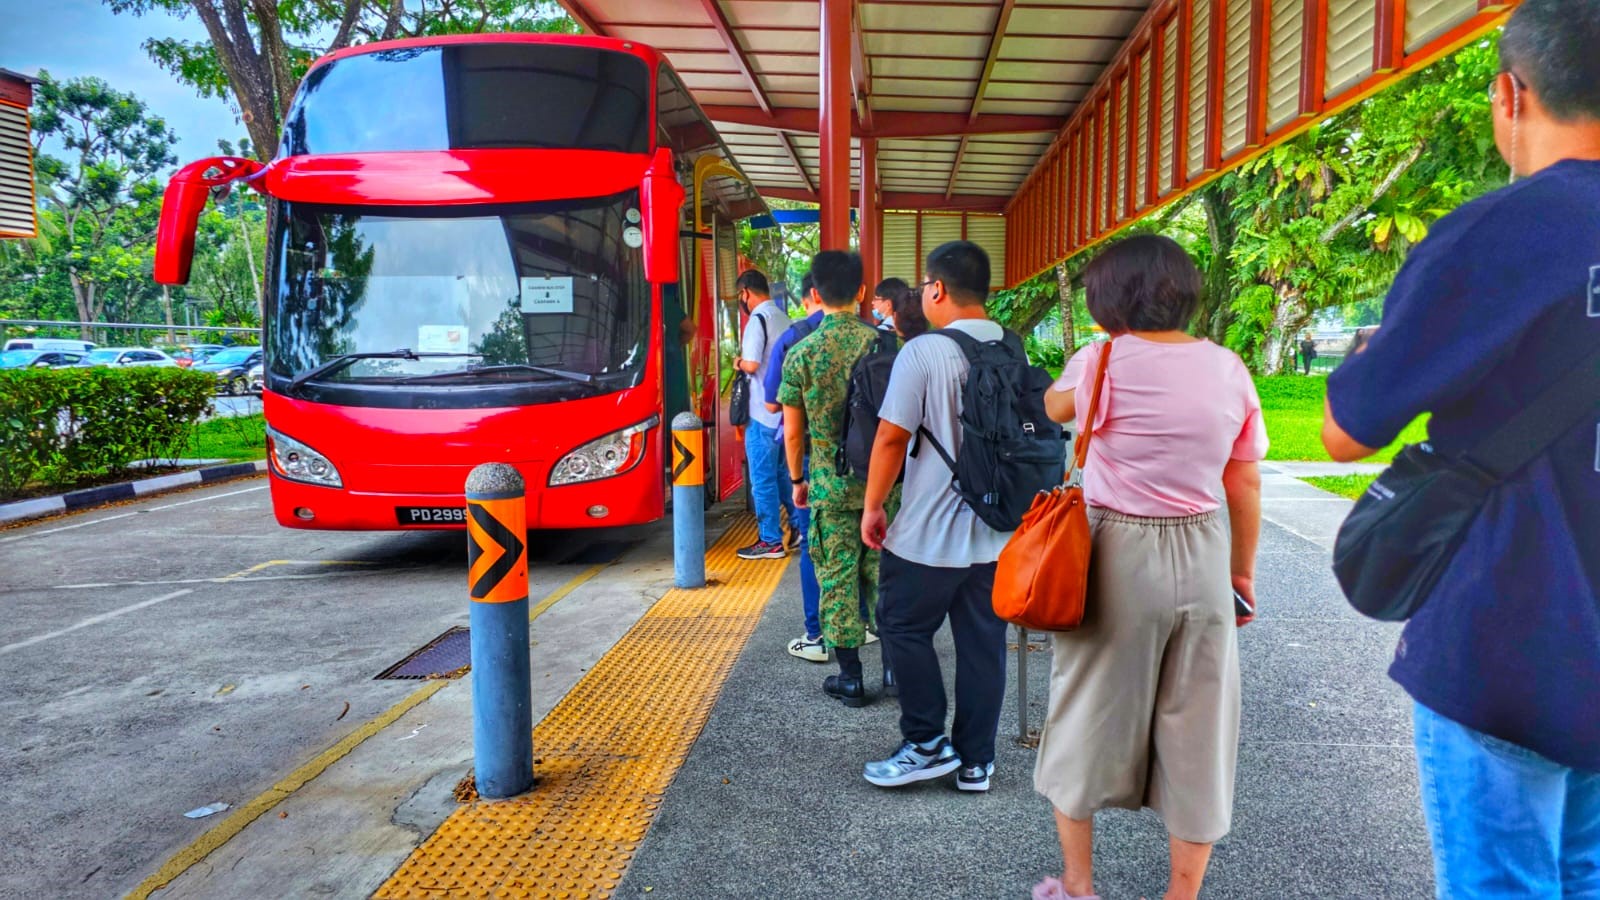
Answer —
(1406, 529)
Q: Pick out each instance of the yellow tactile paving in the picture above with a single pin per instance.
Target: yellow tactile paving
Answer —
(607, 752)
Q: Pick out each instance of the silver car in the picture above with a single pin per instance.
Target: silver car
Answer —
(127, 356)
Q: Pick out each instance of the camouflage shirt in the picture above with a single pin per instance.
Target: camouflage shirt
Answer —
(816, 376)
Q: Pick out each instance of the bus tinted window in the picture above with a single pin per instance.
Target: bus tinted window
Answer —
(473, 97)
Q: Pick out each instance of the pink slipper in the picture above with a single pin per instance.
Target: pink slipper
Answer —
(1051, 889)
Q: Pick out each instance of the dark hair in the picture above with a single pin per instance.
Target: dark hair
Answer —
(754, 282)
(806, 284)
(964, 269)
(1550, 44)
(1142, 283)
(891, 288)
(837, 276)
(908, 317)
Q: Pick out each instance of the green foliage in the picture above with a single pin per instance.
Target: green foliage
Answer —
(1350, 486)
(1292, 408)
(228, 437)
(58, 426)
(1048, 356)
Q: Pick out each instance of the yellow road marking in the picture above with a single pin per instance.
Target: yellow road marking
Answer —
(608, 751)
(228, 828)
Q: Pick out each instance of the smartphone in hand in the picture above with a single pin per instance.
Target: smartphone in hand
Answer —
(1242, 607)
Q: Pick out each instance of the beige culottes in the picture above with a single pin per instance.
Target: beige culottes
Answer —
(1144, 697)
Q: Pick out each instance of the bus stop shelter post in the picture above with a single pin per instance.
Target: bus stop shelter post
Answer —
(688, 501)
(1022, 684)
(497, 584)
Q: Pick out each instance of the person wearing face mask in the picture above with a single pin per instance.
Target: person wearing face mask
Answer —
(883, 301)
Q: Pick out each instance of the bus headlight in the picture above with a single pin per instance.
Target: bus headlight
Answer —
(605, 456)
(298, 462)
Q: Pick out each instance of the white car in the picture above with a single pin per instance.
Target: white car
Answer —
(127, 356)
(70, 346)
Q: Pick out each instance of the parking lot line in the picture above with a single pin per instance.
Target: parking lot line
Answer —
(49, 531)
(228, 828)
(93, 620)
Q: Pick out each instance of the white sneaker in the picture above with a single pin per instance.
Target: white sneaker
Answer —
(811, 649)
(872, 637)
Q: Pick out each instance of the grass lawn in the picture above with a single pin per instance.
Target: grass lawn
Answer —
(1291, 405)
(1351, 486)
(238, 437)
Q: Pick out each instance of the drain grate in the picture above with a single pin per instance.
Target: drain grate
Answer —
(447, 656)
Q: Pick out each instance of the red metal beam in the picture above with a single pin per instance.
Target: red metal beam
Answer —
(912, 200)
(955, 166)
(582, 17)
(719, 21)
(1389, 51)
(996, 37)
(887, 124)
(860, 72)
(1260, 57)
(871, 220)
(1151, 186)
(833, 125)
(1219, 33)
(1180, 106)
(798, 165)
(1313, 57)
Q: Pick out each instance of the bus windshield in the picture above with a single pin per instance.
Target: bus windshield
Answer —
(511, 297)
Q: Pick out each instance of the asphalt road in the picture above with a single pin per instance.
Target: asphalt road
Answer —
(163, 655)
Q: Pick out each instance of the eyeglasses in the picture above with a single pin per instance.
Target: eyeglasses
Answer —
(925, 284)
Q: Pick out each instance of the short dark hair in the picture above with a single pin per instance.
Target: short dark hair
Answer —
(964, 269)
(753, 281)
(806, 284)
(1142, 283)
(1551, 44)
(837, 276)
(909, 319)
(891, 288)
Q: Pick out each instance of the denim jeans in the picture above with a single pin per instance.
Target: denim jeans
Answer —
(1505, 821)
(810, 591)
(769, 480)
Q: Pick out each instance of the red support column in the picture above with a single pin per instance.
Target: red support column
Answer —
(833, 126)
(871, 218)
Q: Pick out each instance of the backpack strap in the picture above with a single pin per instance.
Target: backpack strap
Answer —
(969, 348)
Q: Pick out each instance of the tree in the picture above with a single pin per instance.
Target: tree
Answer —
(259, 49)
(100, 207)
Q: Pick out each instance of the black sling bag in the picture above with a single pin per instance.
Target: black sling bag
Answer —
(1406, 529)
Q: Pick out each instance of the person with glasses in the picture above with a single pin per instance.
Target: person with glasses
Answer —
(769, 482)
(1497, 305)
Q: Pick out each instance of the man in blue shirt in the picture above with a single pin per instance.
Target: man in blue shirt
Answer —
(1497, 304)
(810, 647)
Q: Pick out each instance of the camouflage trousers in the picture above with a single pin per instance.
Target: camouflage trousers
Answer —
(847, 572)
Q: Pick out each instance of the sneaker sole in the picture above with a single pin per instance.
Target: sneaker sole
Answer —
(809, 658)
(938, 771)
(972, 786)
(774, 555)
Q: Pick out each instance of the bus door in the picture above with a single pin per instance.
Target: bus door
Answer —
(722, 258)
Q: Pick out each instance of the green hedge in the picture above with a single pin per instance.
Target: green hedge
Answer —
(62, 426)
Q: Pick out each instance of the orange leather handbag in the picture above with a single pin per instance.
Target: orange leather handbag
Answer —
(1042, 578)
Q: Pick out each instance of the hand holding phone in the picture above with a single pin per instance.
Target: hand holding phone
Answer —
(1241, 607)
(1244, 597)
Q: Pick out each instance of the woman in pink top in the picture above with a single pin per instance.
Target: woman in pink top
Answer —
(1144, 697)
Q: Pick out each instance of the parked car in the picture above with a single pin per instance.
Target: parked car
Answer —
(195, 353)
(127, 356)
(71, 346)
(38, 359)
(257, 379)
(232, 368)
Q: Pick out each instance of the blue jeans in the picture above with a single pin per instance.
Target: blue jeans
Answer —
(1505, 821)
(810, 591)
(769, 480)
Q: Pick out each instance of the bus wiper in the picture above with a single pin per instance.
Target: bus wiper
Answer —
(475, 371)
(345, 359)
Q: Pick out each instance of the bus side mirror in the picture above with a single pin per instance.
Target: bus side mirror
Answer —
(181, 206)
(662, 198)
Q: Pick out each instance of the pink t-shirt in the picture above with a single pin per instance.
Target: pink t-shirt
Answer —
(1170, 418)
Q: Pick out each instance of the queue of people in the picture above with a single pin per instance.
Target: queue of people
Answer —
(1493, 313)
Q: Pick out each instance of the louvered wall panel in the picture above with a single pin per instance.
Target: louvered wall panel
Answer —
(938, 228)
(1199, 64)
(1141, 177)
(1427, 19)
(1283, 67)
(900, 247)
(1104, 186)
(1352, 30)
(1120, 167)
(1169, 109)
(16, 173)
(989, 232)
(1236, 78)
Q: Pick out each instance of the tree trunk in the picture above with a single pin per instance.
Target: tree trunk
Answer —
(256, 275)
(249, 77)
(1215, 314)
(1288, 321)
(83, 297)
(1069, 336)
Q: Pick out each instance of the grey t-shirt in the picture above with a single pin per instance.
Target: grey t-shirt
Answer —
(934, 526)
(766, 323)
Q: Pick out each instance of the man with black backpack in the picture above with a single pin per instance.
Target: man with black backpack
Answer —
(939, 555)
(815, 381)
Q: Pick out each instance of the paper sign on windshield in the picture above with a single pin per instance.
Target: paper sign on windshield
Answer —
(546, 295)
(442, 338)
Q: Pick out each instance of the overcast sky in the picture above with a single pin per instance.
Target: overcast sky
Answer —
(72, 38)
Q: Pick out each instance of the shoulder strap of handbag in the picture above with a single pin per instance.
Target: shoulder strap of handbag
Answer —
(1080, 450)
(1521, 438)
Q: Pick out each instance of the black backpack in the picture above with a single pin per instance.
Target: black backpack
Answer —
(869, 381)
(1010, 450)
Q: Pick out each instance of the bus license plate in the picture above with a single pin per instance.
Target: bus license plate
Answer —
(431, 515)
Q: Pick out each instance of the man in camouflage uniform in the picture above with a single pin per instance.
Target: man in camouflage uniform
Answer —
(816, 377)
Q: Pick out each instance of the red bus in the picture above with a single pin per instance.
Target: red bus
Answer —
(480, 251)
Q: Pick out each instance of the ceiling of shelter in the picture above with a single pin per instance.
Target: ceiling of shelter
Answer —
(963, 95)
